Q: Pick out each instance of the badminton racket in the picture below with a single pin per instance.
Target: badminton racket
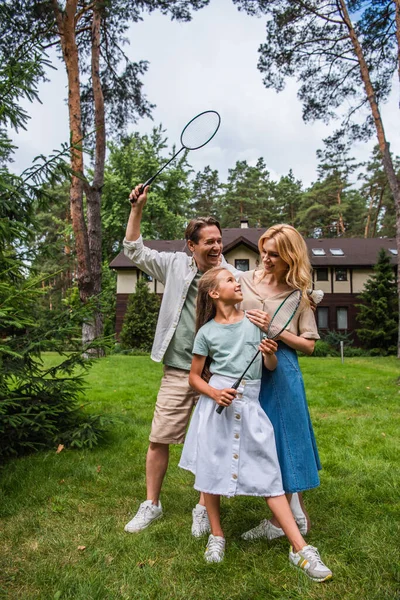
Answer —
(280, 320)
(197, 133)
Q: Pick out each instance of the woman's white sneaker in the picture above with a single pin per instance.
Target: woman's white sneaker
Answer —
(147, 513)
(200, 523)
(264, 530)
(309, 561)
(215, 549)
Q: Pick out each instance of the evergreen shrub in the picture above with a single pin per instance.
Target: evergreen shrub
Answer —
(140, 319)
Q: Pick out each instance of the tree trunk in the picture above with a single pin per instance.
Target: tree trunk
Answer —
(383, 144)
(371, 204)
(94, 328)
(87, 237)
(378, 210)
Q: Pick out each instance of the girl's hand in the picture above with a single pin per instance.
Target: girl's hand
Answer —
(259, 318)
(224, 397)
(268, 347)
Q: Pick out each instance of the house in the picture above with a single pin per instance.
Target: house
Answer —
(341, 266)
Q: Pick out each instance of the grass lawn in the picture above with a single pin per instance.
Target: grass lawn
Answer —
(62, 515)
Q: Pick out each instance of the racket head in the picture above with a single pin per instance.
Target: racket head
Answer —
(284, 314)
(200, 130)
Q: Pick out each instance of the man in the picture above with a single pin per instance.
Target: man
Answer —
(173, 344)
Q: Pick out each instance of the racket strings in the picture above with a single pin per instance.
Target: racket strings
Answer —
(200, 130)
(284, 314)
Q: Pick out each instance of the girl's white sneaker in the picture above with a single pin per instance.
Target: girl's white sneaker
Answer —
(215, 549)
(309, 560)
(200, 523)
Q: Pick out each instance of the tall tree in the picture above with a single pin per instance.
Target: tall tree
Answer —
(102, 83)
(378, 314)
(288, 194)
(381, 218)
(134, 158)
(344, 53)
(330, 208)
(247, 194)
(205, 190)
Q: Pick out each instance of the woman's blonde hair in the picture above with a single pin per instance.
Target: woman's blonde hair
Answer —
(205, 307)
(292, 249)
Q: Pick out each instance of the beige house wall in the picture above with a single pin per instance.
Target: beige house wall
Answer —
(360, 277)
(243, 252)
(127, 279)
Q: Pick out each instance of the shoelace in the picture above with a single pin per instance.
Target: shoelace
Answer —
(312, 553)
(216, 545)
(143, 510)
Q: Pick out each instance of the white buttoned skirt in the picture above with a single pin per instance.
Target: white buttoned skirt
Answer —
(232, 453)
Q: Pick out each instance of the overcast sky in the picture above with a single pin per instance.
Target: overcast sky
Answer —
(209, 63)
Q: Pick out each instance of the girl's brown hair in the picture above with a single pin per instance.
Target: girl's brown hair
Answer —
(205, 308)
(292, 249)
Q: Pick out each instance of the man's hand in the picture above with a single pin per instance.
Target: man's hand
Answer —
(137, 197)
(259, 318)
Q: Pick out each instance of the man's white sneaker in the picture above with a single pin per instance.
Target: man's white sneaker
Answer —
(300, 514)
(309, 560)
(147, 513)
(200, 523)
(215, 549)
(264, 530)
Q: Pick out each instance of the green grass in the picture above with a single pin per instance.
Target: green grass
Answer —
(50, 504)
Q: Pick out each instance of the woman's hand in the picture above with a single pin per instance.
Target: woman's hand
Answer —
(259, 318)
(224, 397)
(268, 347)
(137, 197)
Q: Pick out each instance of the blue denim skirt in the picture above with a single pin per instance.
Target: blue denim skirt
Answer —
(283, 398)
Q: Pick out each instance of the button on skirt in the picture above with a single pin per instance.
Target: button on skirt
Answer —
(232, 453)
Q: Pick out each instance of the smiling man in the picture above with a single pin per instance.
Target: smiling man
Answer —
(173, 343)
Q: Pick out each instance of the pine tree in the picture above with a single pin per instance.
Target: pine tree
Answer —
(378, 315)
(140, 318)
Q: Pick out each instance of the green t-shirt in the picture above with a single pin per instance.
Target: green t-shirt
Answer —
(179, 352)
(231, 347)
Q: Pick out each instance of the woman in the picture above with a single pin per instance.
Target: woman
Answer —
(285, 266)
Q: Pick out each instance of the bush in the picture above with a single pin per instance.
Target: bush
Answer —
(140, 319)
(322, 348)
(333, 338)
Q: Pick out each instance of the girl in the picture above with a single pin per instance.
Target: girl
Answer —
(234, 453)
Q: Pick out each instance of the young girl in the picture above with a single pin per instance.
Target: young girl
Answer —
(234, 453)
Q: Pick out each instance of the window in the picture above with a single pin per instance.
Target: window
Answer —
(393, 251)
(242, 264)
(322, 275)
(318, 251)
(341, 318)
(146, 277)
(341, 274)
(336, 251)
(323, 317)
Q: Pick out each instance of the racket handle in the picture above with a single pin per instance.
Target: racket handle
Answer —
(234, 387)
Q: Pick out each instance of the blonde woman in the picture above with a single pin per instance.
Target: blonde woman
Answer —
(286, 266)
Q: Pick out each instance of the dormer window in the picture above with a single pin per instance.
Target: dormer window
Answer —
(318, 251)
(336, 251)
(393, 251)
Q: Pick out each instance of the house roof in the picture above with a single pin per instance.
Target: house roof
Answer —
(355, 252)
